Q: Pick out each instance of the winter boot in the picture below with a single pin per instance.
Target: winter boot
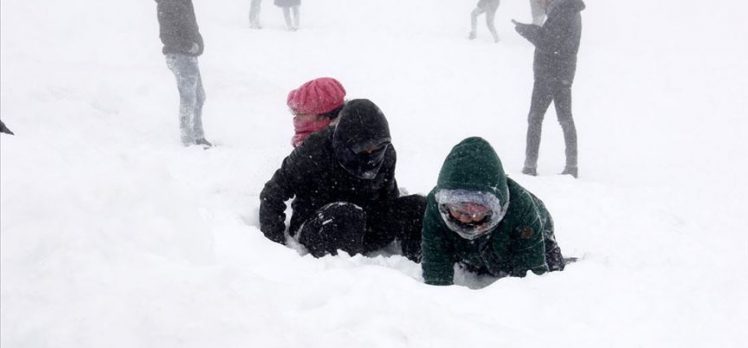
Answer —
(4, 129)
(204, 143)
(573, 171)
(530, 171)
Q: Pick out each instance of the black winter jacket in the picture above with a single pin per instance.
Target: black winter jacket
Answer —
(557, 41)
(312, 175)
(178, 27)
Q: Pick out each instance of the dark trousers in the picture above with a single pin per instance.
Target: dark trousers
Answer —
(191, 96)
(545, 91)
(348, 227)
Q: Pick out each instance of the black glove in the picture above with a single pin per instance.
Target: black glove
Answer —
(519, 27)
(279, 238)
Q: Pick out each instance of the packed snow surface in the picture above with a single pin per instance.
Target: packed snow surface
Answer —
(114, 235)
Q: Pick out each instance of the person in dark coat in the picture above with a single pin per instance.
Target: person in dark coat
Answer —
(182, 45)
(345, 196)
(556, 46)
(479, 218)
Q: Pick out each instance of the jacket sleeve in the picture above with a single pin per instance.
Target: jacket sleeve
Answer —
(531, 32)
(274, 195)
(528, 249)
(437, 262)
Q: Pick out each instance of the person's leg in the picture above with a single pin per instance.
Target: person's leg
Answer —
(411, 210)
(287, 17)
(403, 222)
(336, 226)
(490, 15)
(296, 19)
(254, 14)
(541, 100)
(562, 102)
(474, 22)
(197, 122)
(187, 75)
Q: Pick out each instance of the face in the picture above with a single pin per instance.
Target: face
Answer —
(370, 159)
(307, 117)
(363, 161)
(469, 213)
(372, 149)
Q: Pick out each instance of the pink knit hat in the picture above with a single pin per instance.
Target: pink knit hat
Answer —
(317, 96)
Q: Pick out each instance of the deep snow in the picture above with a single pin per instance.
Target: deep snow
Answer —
(114, 235)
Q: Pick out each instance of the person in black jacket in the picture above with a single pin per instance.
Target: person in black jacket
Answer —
(556, 46)
(182, 45)
(345, 194)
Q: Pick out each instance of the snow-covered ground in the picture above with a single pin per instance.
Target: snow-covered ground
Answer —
(114, 235)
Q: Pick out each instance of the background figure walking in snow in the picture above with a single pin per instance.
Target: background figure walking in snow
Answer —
(254, 14)
(290, 12)
(182, 45)
(478, 217)
(554, 66)
(345, 194)
(315, 106)
(538, 12)
(488, 7)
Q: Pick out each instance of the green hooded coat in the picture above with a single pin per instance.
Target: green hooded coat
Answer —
(513, 247)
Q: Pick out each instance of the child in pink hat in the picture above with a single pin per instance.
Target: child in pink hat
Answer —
(315, 105)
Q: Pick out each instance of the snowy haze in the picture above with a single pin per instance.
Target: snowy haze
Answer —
(114, 235)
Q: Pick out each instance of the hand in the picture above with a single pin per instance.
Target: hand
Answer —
(519, 27)
(278, 238)
(195, 48)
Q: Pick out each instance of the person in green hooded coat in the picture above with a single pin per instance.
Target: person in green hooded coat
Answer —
(478, 217)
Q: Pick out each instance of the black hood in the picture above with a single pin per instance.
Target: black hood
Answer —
(361, 126)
